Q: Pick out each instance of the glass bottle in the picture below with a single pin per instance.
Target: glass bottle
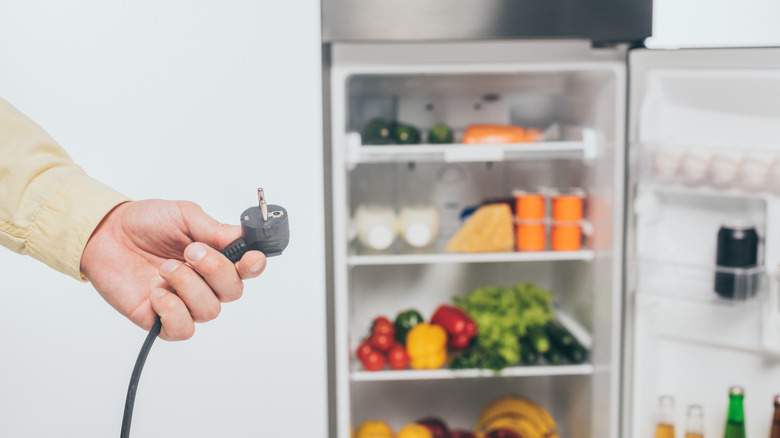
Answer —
(776, 419)
(735, 422)
(694, 425)
(665, 427)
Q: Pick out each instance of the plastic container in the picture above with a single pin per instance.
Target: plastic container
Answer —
(567, 205)
(531, 237)
(566, 237)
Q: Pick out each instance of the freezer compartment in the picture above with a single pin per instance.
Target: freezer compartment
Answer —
(459, 403)
(553, 101)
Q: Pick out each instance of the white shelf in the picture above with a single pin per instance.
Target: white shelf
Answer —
(422, 259)
(518, 371)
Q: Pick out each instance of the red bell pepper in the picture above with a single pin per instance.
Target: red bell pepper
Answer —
(460, 328)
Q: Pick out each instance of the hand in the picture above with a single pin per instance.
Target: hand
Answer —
(135, 260)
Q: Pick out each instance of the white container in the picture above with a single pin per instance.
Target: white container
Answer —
(419, 224)
(375, 226)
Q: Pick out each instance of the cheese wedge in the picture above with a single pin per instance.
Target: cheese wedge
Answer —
(489, 229)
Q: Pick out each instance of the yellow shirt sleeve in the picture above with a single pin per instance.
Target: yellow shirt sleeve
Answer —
(48, 206)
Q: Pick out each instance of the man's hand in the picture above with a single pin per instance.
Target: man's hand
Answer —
(149, 258)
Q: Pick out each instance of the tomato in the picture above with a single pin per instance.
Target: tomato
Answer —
(382, 326)
(374, 361)
(398, 357)
(363, 350)
(381, 341)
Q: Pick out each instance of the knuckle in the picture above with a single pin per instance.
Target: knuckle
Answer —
(210, 264)
(236, 293)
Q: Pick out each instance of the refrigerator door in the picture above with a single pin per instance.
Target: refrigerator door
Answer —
(703, 151)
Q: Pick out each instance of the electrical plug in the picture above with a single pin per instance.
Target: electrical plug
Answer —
(264, 228)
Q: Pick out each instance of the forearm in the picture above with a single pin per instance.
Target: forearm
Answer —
(48, 205)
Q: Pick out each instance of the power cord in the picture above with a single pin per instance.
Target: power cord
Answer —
(264, 228)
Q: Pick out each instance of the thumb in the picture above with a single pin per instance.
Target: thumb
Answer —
(203, 228)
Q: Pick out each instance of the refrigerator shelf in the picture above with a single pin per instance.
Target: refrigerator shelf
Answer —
(442, 374)
(500, 257)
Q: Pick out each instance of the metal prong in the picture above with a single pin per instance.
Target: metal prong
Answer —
(263, 204)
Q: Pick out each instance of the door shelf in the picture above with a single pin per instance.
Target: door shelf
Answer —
(422, 259)
(584, 147)
(443, 374)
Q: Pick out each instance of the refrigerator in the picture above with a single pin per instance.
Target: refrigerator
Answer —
(666, 146)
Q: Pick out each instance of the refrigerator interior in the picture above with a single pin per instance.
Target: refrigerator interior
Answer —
(580, 99)
(705, 150)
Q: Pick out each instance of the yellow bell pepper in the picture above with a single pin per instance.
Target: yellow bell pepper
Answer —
(414, 430)
(427, 346)
(374, 429)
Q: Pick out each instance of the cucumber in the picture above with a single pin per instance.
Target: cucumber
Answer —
(528, 355)
(554, 356)
(377, 131)
(538, 339)
(576, 353)
(440, 134)
(405, 134)
(559, 336)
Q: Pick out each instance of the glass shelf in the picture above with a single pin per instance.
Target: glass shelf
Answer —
(517, 371)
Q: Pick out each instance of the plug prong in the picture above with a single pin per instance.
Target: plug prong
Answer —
(263, 204)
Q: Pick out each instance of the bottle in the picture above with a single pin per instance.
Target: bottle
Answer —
(665, 427)
(776, 419)
(375, 226)
(419, 224)
(735, 422)
(694, 427)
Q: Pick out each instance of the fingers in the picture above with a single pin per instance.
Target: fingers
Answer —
(204, 228)
(177, 324)
(191, 288)
(251, 265)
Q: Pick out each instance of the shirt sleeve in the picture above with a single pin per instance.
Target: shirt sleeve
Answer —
(48, 206)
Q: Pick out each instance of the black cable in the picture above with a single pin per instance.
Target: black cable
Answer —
(233, 252)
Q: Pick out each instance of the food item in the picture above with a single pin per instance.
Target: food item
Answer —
(363, 350)
(695, 165)
(553, 356)
(377, 131)
(724, 167)
(373, 361)
(496, 134)
(735, 421)
(478, 357)
(374, 429)
(575, 353)
(665, 426)
(414, 430)
(737, 248)
(538, 339)
(503, 315)
(567, 206)
(381, 341)
(427, 346)
(405, 134)
(531, 237)
(694, 424)
(566, 237)
(528, 355)
(375, 226)
(459, 326)
(559, 335)
(460, 433)
(397, 357)
(489, 229)
(404, 322)
(775, 433)
(503, 433)
(529, 206)
(436, 426)
(382, 325)
(419, 224)
(520, 415)
(440, 134)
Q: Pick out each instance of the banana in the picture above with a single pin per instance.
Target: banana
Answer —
(525, 407)
(520, 424)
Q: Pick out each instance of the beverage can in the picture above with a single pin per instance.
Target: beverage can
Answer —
(737, 247)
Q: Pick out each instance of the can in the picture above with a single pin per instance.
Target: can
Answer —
(737, 248)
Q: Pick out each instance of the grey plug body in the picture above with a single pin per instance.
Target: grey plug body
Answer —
(270, 235)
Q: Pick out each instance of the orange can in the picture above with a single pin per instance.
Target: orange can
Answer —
(529, 206)
(566, 238)
(531, 237)
(567, 207)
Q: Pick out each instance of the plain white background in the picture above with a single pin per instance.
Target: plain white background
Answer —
(203, 101)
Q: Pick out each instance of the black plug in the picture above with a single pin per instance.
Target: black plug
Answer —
(264, 228)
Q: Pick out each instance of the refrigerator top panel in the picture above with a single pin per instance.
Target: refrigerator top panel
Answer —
(436, 20)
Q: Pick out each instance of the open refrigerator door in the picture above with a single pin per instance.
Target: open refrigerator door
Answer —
(425, 216)
(703, 236)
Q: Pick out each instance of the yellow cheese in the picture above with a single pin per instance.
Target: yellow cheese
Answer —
(489, 229)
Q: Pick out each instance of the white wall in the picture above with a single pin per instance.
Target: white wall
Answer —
(198, 100)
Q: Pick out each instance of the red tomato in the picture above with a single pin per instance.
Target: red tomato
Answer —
(374, 361)
(397, 357)
(381, 341)
(363, 350)
(382, 326)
